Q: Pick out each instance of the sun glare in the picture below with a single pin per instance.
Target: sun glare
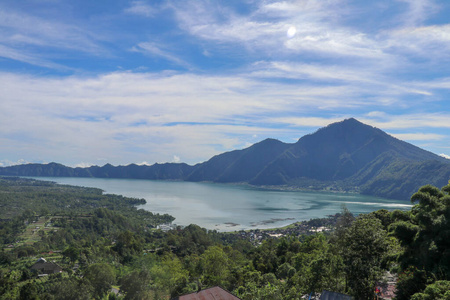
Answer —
(291, 32)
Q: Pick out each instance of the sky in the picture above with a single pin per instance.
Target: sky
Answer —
(113, 81)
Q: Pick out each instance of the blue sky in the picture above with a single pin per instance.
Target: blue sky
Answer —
(90, 82)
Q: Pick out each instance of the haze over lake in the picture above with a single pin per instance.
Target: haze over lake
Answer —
(227, 207)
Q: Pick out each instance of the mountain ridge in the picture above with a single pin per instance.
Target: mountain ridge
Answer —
(343, 156)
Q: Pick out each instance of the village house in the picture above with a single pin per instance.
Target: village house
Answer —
(42, 267)
(214, 293)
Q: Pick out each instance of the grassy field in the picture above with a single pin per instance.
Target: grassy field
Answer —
(35, 229)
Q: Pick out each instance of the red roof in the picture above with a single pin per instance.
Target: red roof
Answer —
(214, 293)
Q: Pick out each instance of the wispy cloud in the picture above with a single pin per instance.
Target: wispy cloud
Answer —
(141, 8)
(27, 29)
(409, 121)
(25, 34)
(441, 83)
(306, 121)
(429, 42)
(155, 50)
(323, 72)
(22, 56)
(238, 75)
(320, 31)
(417, 11)
(169, 114)
(265, 29)
(419, 136)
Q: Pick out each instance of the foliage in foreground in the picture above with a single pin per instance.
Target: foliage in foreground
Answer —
(102, 243)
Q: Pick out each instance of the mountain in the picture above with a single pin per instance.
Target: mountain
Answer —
(344, 156)
(339, 151)
(352, 156)
(239, 165)
(167, 171)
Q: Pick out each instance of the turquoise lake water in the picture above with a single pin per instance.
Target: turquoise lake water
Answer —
(227, 207)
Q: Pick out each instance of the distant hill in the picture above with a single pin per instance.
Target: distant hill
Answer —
(344, 156)
(167, 171)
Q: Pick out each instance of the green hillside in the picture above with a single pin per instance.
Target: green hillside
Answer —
(107, 249)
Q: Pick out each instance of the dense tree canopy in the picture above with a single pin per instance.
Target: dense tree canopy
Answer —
(116, 245)
(425, 235)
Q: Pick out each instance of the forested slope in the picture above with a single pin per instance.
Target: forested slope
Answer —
(103, 241)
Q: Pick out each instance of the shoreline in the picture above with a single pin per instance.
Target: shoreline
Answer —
(282, 211)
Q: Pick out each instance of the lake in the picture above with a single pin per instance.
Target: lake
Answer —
(227, 207)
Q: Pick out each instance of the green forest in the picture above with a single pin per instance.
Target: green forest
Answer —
(109, 249)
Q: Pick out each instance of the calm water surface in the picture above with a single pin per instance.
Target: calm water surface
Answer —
(226, 207)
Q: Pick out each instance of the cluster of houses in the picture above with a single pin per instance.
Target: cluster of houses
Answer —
(256, 236)
(166, 227)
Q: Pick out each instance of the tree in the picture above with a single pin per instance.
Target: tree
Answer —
(343, 223)
(410, 282)
(136, 285)
(438, 290)
(365, 246)
(29, 291)
(317, 267)
(70, 289)
(345, 220)
(127, 245)
(260, 287)
(72, 253)
(169, 277)
(425, 236)
(265, 258)
(101, 276)
(214, 265)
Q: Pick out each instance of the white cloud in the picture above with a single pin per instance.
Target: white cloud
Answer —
(24, 36)
(7, 163)
(22, 56)
(419, 136)
(176, 159)
(96, 117)
(408, 121)
(418, 11)
(340, 42)
(306, 121)
(83, 165)
(32, 30)
(127, 116)
(156, 50)
(295, 70)
(441, 83)
(141, 8)
(428, 42)
(377, 114)
(321, 31)
(265, 28)
(211, 22)
(329, 70)
(445, 155)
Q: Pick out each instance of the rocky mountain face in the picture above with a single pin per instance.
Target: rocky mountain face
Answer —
(344, 156)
